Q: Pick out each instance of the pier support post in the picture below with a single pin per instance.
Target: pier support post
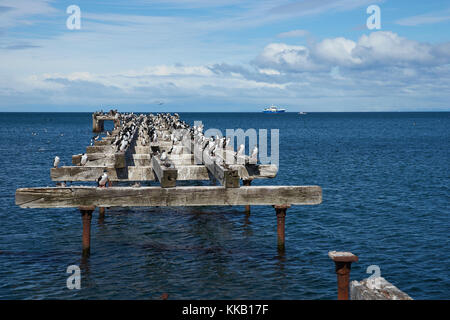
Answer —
(97, 125)
(247, 183)
(281, 215)
(86, 217)
(343, 263)
(101, 213)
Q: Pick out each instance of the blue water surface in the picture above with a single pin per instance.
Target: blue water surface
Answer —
(385, 180)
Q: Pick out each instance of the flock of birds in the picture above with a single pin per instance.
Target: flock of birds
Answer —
(151, 129)
(217, 145)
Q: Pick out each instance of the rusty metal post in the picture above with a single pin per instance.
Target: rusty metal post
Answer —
(101, 213)
(86, 217)
(281, 215)
(247, 183)
(343, 263)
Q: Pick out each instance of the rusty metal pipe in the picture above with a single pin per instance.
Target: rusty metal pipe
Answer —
(343, 264)
(281, 215)
(247, 183)
(101, 213)
(86, 217)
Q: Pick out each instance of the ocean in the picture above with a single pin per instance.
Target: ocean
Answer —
(386, 198)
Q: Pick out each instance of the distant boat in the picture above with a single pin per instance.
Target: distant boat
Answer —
(273, 109)
(301, 112)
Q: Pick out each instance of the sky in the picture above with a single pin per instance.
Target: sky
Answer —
(218, 55)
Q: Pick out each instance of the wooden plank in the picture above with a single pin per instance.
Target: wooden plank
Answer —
(163, 145)
(102, 143)
(68, 197)
(227, 177)
(139, 160)
(145, 173)
(142, 149)
(260, 171)
(100, 149)
(167, 177)
(105, 117)
(116, 160)
(129, 173)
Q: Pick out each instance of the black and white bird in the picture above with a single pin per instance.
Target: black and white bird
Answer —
(123, 145)
(84, 159)
(103, 179)
(56, 162)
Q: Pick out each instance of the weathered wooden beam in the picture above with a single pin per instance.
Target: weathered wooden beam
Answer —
(136, 159)
(105, 117)
(255, 171)
(227, 177)
(102, 142)
(163, 145)
(143, 149)
(167, 176)
(68, 197)
(186, 171)
(130, 173)
(116, 160)
(100, 149)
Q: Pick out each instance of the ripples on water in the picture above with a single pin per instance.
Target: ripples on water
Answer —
(385, 180)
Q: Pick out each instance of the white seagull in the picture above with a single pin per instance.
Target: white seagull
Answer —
(84, 159)
(254, 156)
(241, 150)
(164, 156)
(56, 162)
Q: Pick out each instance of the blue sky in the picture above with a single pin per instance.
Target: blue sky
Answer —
(204, 55)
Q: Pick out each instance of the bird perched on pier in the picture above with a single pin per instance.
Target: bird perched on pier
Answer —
(56, 162)
(84, 159)
(240, 151)
(123, 145)
(254, 156)
(102, 180)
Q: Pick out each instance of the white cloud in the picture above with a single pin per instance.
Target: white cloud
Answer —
(281, 56)
(293, 34)
(310, 7)
(15, 12)
(269, 71)
(386, 47)
(337, 51)
(429, 18)
(381, 49)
